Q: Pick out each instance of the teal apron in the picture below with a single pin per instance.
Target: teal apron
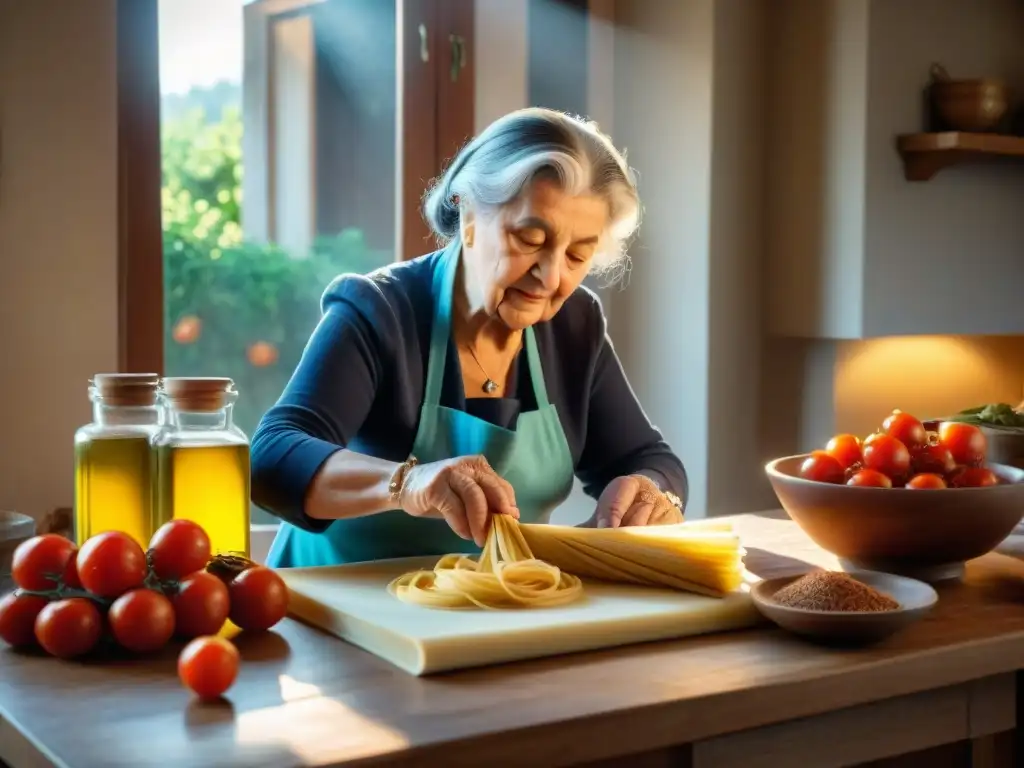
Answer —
(535, 458)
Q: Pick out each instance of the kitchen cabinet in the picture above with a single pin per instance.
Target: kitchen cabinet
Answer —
(350, 108)
(854, 250)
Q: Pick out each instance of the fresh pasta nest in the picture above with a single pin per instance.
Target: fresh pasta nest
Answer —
(539, 566)
(506, 576)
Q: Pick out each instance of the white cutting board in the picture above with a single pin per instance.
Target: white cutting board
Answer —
(352, 602)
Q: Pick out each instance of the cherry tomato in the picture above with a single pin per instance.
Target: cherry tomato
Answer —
(869, 478)
(201, 605)
(179, 548)
(819, 467)
(887, 455)
(38, 562)
(932, 459)
(208, 666)
(69, 628)
(905, 428)
(926, 481)
(966, 442)
(18, 618)
(845, 449)
(111, 563)
(142, 620)
(259, 598)
(974, 477)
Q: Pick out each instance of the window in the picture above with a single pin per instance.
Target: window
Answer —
(283, 142)
(296, 140)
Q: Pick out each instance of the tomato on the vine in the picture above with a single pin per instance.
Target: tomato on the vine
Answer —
(38, 562)
(905, 428)
(887, 455)
(974, 477)
(926, 481)
(966, 442)
(111, 563)
(201, 605)
(69, 628)
(208, 666)
(178, 548)
(819, 467)
(869, 478)
(259, 598)
(18, 614)
(142, 620)
(845, 449)
(932, 459)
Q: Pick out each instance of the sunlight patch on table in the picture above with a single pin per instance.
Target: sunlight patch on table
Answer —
(313, 727)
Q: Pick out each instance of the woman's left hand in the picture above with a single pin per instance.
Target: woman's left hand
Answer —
(633, 500)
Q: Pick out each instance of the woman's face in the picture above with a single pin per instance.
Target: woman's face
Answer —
(523, 261)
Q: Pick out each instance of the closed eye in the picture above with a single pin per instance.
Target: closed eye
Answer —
(529, 240)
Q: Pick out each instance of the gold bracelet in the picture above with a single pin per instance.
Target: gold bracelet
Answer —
(397, 484)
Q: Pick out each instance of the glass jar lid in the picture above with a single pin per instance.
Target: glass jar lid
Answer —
(198, 393)
(125, 389)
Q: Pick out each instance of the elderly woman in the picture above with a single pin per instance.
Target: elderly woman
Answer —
(475, 380)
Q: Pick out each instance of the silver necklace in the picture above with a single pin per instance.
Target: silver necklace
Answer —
(490, 385)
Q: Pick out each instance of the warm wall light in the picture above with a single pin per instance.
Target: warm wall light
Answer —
(925, 375)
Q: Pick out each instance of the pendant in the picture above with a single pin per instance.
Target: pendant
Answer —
(490, 387)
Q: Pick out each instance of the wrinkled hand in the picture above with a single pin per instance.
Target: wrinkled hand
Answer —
(633, 500)
(465, 491)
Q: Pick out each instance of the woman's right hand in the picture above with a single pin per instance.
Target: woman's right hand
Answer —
(465, 491)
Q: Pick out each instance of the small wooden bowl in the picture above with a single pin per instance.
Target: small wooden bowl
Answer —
(916, 599)
(971, 105)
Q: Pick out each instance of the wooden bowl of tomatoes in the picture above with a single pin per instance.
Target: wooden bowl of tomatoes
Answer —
(906, 499)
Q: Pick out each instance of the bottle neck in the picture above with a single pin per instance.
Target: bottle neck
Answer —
(124, 415)
(219, 420)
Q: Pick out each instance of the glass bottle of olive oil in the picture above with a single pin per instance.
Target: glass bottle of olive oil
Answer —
(202, 461)
(113, 458)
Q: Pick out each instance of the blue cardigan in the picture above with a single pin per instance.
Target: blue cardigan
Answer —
(360, 385)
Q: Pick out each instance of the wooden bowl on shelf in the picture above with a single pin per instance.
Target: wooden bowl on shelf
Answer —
(974, 106)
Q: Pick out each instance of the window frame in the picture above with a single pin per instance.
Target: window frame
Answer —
(426, 141)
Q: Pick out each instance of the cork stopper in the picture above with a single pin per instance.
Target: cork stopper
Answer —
(198, 393)
(126, 389)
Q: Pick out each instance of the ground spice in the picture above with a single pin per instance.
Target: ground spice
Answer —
(833, 591)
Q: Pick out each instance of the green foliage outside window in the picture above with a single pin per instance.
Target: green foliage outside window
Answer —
(234, 308)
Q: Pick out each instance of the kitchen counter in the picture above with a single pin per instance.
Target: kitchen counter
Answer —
(752, 698)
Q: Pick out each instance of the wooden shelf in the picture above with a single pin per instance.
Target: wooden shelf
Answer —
(925, 154)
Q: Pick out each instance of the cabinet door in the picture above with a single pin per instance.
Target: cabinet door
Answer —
(456, 79)
(420, 50)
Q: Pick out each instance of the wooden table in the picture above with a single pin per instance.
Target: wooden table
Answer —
(754, 698)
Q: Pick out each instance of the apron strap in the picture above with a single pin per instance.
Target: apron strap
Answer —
(540, 389)
(441, 329)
